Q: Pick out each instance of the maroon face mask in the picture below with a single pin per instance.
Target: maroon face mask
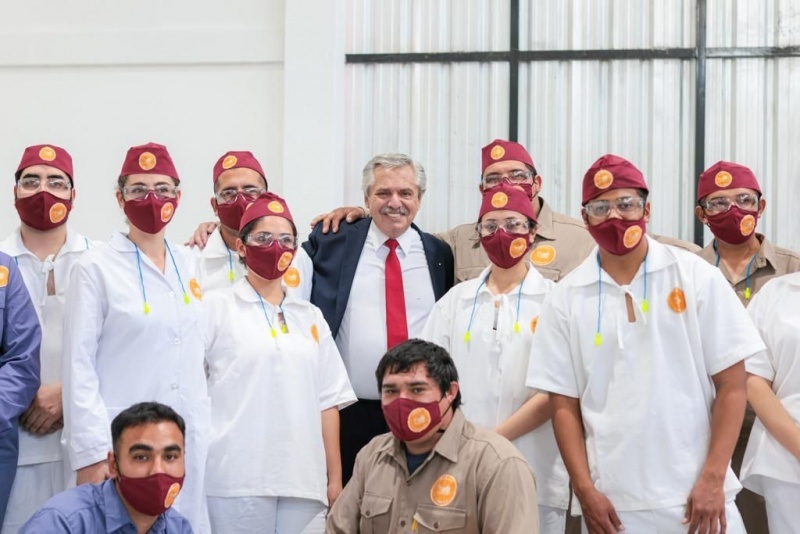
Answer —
(409, 420)
(151, 495)
(505, 250)
(618, 236)
(43, 211)
(230, 214)
(150, 214)
(269, 262)
(734, 226)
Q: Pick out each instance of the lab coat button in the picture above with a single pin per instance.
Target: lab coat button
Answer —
(174, 386)
(177, 341)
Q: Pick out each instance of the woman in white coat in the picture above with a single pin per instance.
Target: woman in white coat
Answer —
(132, 330)
(771, 465)
(276, 382)
(487, 325)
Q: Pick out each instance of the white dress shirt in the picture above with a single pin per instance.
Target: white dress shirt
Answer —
(362, 334)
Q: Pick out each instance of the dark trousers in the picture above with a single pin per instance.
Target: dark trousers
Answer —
(358, 424)
(751, 505)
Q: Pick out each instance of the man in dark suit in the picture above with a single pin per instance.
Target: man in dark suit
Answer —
(376, 281)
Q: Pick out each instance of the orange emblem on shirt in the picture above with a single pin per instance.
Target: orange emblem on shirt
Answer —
(147, 161)
(499, 200)
(275, 207)
(676, 300)
(315, 333)
(419, 419)
(194, 287)
(632, 236)
(603, 179)
(723, 179)
(229, 161)
(444, 490)
(172, 494)
(47, 153)
(291, 277)
(543, 255)
(747, 225)
(497, 152)
(284, 261)
(518, 247)
(57, 212)
(166, 212)
(3, 276)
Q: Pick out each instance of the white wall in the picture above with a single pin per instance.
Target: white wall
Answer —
(201, 77)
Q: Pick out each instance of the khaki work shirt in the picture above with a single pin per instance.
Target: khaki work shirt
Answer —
(474, 481)
(771, 261)
(680, 243)
(560, 245)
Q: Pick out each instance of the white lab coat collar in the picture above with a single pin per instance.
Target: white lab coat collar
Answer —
(533, 284)
(658, 257)
(75, 242)
(216, 247)
(245, 292)
(119, 241)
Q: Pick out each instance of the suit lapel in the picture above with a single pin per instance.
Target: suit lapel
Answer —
(435, 265)
(352, 253)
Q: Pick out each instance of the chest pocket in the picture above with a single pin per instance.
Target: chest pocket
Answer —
(376, 514)
(435, 519)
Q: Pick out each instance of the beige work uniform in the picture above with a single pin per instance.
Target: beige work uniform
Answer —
(474, 481)
(680, 243)
(770, 261)
(561, 244)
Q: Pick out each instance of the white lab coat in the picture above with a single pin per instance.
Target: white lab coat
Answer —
(493, 365)
(115, 355)
(267, 394)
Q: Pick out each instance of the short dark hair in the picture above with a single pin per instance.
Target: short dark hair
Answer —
(248, 229)
(141, 414)
(438, 363)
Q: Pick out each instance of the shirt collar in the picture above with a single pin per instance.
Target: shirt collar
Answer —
(116, 514)
(533, 284)
(14, 246)
(764, 255)
(544, 221)
(119, 241)
(216, 247)
(447, 446)
(659, 257)
(378, 238)
(244, 291)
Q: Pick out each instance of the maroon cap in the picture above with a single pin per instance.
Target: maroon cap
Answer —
(608, 173)
(500, 150)
(236, 159)
(266, 204)
(51, 155)
(505, 196)
(726, 175)
(151, 158)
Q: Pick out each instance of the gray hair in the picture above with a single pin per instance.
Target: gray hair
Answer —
(393, 161)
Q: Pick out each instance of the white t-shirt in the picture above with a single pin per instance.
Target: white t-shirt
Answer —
(220, 268)
(775, 310)
(267, 394)
(646, 391)
(362, 334)
(50, 309)
(493, 364)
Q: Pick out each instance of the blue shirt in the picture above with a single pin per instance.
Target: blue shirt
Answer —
(96, 509)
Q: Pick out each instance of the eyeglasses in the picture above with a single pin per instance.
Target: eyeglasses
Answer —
(745, 201)
(56, 185)
(266, 239)
(226, 196)
(138, 192)
(627, 207)
(511, 225)
(515, 177)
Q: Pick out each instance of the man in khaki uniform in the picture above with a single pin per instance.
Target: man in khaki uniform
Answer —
(730, 202)
(436, 471)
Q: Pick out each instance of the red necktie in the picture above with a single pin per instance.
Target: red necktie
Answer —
(396, 323)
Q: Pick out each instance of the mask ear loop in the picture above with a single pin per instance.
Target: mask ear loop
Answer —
(747, 291)
(598, 337)
(186, 299)
(231, 276)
